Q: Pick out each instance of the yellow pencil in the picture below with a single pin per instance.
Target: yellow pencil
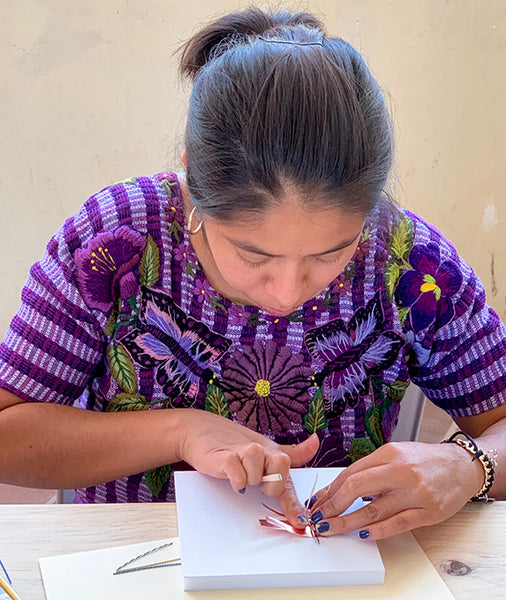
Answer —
(8, 590)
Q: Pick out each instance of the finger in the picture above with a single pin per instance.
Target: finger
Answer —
(235, 472)
(384, 456)
(291, 506)
(379, 510)
(277, 462)
(253, 462)
(401, 522)
(335, 498)
(302, 453)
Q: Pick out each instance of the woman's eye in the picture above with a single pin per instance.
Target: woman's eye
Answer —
(329, 259)
(251, 263)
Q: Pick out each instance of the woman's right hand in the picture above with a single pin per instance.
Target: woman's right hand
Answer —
(222, 448)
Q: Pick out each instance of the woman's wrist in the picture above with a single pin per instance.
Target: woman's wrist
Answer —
(484, 461)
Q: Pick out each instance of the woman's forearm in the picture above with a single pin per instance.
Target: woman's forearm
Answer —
(54, 446)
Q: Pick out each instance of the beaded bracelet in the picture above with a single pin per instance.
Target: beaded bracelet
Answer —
(488, 461)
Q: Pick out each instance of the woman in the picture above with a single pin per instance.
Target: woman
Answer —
(275, 288)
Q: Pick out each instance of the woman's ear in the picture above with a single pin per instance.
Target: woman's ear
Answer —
(183, 158)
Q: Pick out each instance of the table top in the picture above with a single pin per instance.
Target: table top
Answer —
(468, 550)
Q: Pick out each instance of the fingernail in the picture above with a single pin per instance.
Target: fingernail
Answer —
(367, 498)
(311, 502)
(363, 534)
(242, 491)
(317, 516)
(323, 527)
(302, 520)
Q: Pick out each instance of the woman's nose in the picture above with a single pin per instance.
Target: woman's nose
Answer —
(286, 286)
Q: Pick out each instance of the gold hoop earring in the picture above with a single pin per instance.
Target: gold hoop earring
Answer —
(190, 221)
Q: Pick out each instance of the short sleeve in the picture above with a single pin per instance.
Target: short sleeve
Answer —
(458, 342)
(54, 343)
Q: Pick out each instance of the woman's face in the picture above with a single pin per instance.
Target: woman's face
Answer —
(284, 259)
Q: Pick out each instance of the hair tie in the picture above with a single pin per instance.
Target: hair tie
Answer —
(291, 42)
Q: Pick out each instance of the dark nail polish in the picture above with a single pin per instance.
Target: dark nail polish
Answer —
(367, 498)
(242, 491)
(311, 502)
(364, 534)
(302, 520)
(323, 527)
(317, 516)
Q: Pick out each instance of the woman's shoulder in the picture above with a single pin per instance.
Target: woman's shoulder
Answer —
(145, 205)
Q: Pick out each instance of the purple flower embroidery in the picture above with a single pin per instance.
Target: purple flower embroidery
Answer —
(313, 310)
(202, 290)
(181, 256)
(105, 265)
(239, 316)
(266, 387)
(350, 353)
(278, 324)
(341, 285)
(427, 290)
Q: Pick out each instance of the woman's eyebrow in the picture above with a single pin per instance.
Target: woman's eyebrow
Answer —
(248, 247)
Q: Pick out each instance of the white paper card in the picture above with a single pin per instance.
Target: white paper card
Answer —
(224, 547)
(89, 576)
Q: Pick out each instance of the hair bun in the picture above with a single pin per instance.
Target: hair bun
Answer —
(215, 38)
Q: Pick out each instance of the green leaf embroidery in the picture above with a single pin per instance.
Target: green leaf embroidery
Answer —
(349, 272)
(167, 186)
(254, 319)
(403, 314)
(129, 181)
(122, 368)
(327, 300)
(174, 229)
(373, 424)
(397, 389)
(402, 239)
(127, 402)
(111, 322)
(191, 269)
(216, 401)
(150, 263)
(216, 304)
(157, 478)
(392, 273)
(359, 448)
(315, 418)
(366, 235)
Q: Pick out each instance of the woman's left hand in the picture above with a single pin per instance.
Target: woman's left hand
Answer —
(412, 484)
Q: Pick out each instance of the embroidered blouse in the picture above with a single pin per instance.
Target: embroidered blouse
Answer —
(118, 315)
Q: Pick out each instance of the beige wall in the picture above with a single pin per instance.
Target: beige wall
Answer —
(89, 96)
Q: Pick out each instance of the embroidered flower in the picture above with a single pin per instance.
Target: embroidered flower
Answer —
(350, 353)
(341, 284)
(239, 316)
(313, 310)
(202, 290)
(180, 348)
(427, 290)
(181, 256)
(278, 324)
(266, 387)
(106, 265)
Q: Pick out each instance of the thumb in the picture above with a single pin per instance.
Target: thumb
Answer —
(302, 453)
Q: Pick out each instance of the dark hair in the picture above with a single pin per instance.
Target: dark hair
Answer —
(276, 105)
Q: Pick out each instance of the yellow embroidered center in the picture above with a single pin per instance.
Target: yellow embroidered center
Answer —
(102, 261)
(263, 388)
(203, 292)
(276, 320)
(315, 308)
(429, 285)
